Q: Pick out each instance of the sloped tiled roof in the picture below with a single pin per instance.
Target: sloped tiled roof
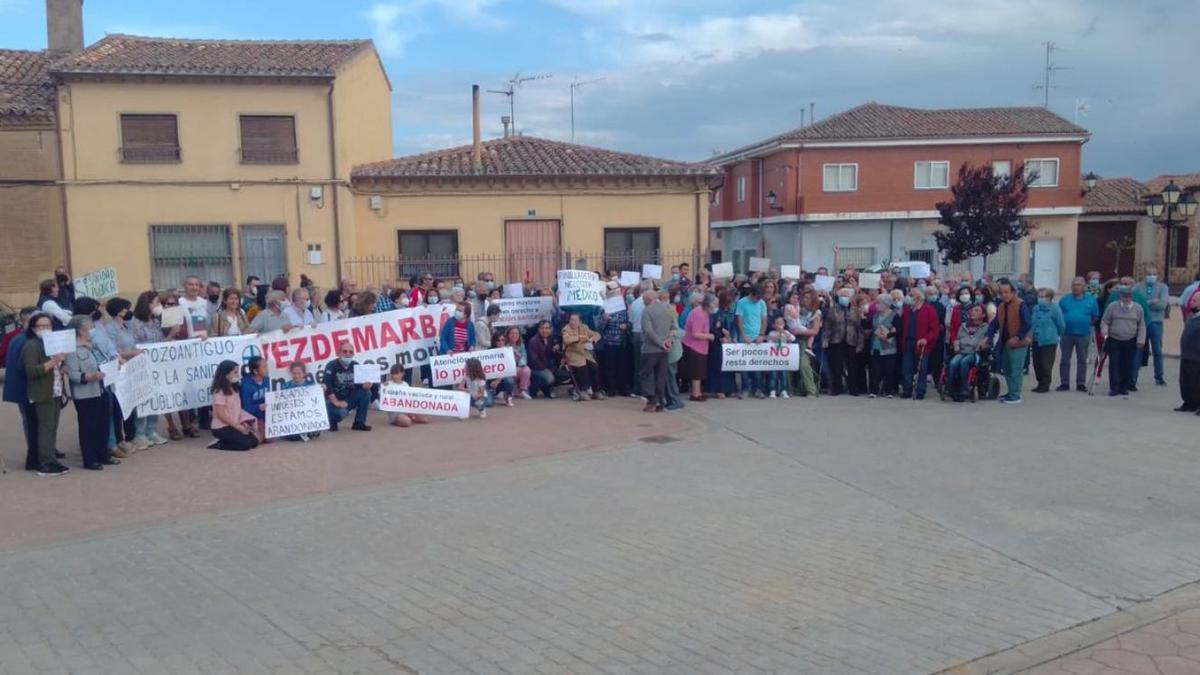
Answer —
(1185, 181)
(135, 55)
(26, 89)
(1115, 196)
(530, 156)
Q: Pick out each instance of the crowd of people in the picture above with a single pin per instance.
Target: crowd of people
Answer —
(664, 347)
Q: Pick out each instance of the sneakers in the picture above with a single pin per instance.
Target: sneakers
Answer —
(214, 444)
(870, 395)
(483, 414)
(784, 394)
(52, 470)
(1010, 400)
(675, 405)
(158, 439)
(525, 395)
(771, 395)
(360, 427)
(508, 400)
(141, 443)
(600, 396)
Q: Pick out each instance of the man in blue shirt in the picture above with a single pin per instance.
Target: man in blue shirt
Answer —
(1080, 313)
(751, 313)
(1158, 300)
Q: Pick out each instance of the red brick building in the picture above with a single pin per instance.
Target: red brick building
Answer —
(860, 187)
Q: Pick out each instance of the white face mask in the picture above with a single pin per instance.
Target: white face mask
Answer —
(43, 332)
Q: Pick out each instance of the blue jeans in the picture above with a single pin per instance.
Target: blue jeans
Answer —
(959, 369)
(909, 368)
(751, 382)
(776, 381)
(1154, 336)
(359, 401)
(145, 425)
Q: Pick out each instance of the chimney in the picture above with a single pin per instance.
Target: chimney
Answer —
(476, 150)
(64, 26)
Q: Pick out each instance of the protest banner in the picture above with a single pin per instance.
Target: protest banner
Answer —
(133, 384)
(722, 270)
(111, 370)
(367, 373)
(295, 411)
(514, 290)
(523, 311)
(614, 304)
(760, 264)
(181, 372)
(580, 287)
(401, 398)
(823, 282)
(98, 285)
(59, 342)
(868, 280)
(404, 336)
(630, 279)
(789, 271)
(497, 363)
(919, 269)
(738, 357)
(651, 271)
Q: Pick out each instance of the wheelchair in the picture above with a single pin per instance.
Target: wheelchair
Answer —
(982, 383)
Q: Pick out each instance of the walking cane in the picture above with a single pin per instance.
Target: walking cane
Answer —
(1101, 357)
(917, 371)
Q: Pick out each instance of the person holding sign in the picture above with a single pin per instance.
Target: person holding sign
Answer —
(579, 345)
(458, 333)
(232, 427)
(299, 373)
(474, 382)
(398, 419)
(87, 388)
(512, 337)
(45, 388)
(343, 394)
(254, 394)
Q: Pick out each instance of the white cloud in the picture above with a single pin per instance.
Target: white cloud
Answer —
(395, 24)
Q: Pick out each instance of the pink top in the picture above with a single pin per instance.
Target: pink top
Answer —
(232, 404)
(697, 322)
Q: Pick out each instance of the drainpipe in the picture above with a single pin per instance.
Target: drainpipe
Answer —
(891, 239)
(333, 174)
(762, 235)
(62, 174)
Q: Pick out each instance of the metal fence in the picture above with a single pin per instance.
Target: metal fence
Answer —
(535, 267)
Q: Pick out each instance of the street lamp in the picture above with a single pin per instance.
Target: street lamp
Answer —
(1089, 181)
(771, 201)
(1170, 209)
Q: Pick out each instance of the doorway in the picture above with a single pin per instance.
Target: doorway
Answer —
(534, 249)
(263, 252)
(1047, 263)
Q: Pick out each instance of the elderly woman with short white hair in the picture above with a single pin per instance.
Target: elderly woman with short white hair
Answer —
(87, 389)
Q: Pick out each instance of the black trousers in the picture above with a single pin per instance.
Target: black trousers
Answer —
(1189, 384)
(883, 374)
(586, 377)
(232, 439)
(122, 428)
(1122, 357)
(1043, 364)
(94, 419)
(654, 377)
(843, 363)
(29, 421)
(615, 363)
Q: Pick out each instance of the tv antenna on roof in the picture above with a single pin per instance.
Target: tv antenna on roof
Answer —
(1049, 70)
(511, 92)
(575, 86)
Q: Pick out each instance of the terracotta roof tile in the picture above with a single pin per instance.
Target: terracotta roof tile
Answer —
(1115, 196)
(1186, 181)
(26, 89)
(529, 156)
(135, 55)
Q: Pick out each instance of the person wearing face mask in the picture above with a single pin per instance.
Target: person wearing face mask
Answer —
(614, 344)
(918, 336)
(66, 288)
(45, 389)
(937, 348)
(105, 349)
(1048, 327)
(842, 337)
(147, 329)
(1139, 298)
(232, 427)
(1093, 284)
(298, 314)
(15, 388)
(1124, 328)
(484, 325)
(458, 333)
(273, 317)
(121, 335)
(1080, 313)
(883, 348)
(87, 389)
(337, 307)
(972, 338)
(1158, 300)
(342, 395)
(213, 293)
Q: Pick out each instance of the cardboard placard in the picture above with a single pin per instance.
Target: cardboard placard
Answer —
(823, 282)
(497, 363)
(920, 270)
(59, 342)
(111, 370)
(630, 279)
(181, 372)
(869, 280)
(132, 384)
(401, 398)
(97, 285)
(580, 288)
(763, 356)
(760, 264)
(614, 304)
(295, 411)
(789, 271)
(523, 311)
(513, 291)
(367, 373)
(651, 271)
(722, 270)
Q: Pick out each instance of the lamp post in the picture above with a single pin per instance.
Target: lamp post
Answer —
(1089, 182)
(773, 201)
(1170, 209)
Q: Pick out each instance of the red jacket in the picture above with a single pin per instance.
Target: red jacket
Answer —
(927, 325)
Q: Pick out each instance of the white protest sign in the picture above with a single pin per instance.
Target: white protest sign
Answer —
(869, 280)
(295, 411)
(133, 384)
(919, 270)
(789, 271)
(579, 287)
(823, 282)
(514, 290)
(181, 372)
(760, 264)
(651, 271)
(404, 336)
(614, 304)
(722, 270)
(111, 369)
(418, 401)
(99, 284)
(738, 357)
(449, 369)
(59, 342)
(630, 279)
(523, 311)
(366, 373)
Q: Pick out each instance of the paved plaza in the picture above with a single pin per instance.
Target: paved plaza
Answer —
(831, 536)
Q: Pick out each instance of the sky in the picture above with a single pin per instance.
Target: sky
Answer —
(683, 79)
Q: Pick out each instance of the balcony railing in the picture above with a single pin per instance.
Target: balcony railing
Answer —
(151, 154)
(270, 155)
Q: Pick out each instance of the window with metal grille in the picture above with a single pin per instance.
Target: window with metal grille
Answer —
(1003, 261)
(149, 139)
(628, 248)
(858, 256)
(269, 139)
(177, 251)
(921, 254)
(428, 252)
(1179, 250)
